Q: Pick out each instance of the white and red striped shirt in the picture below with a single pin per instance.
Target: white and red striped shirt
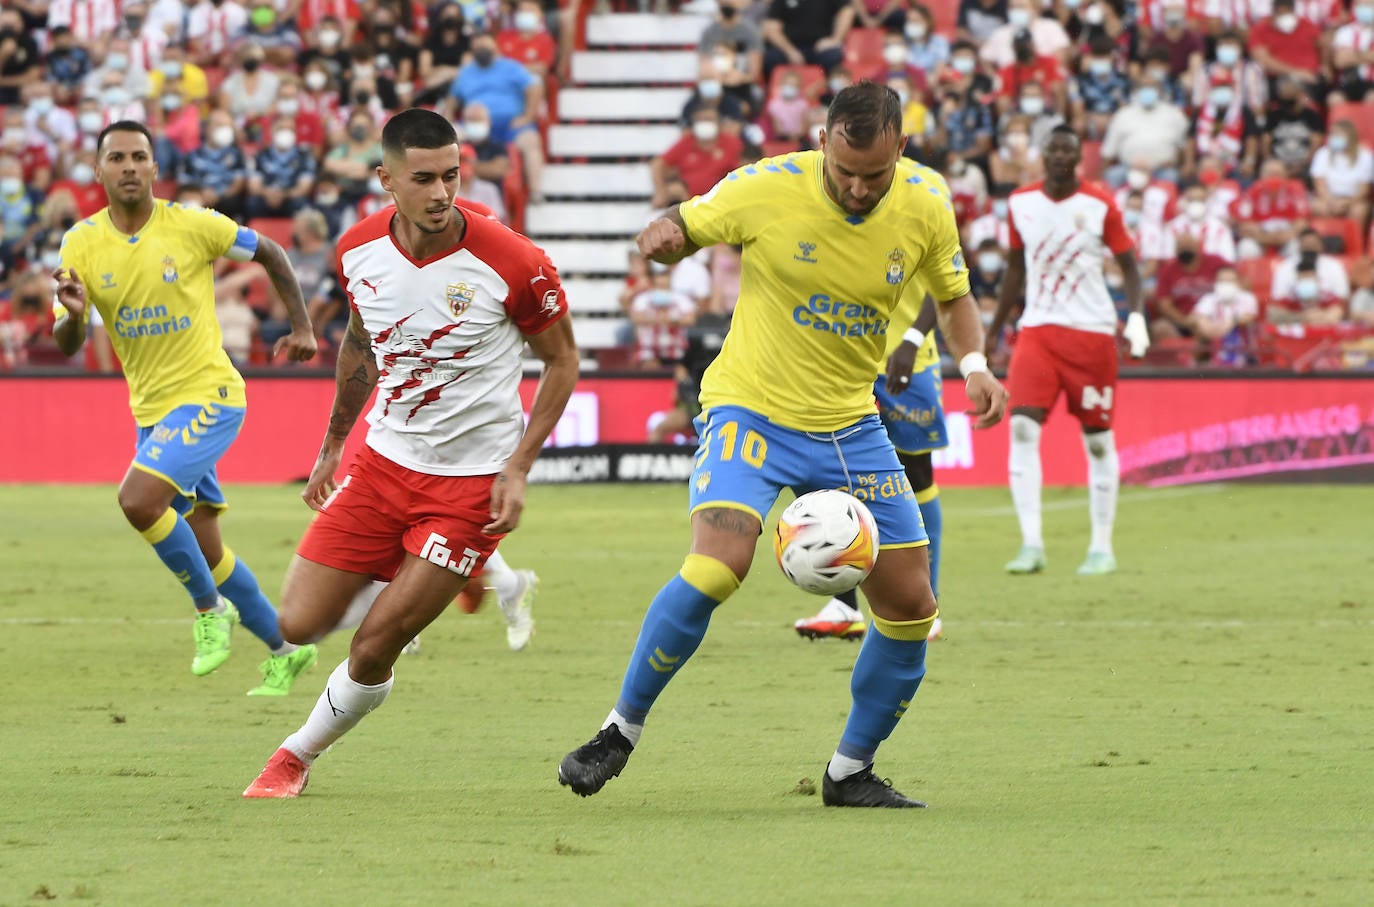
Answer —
(1212, 233)
(988, 226)
(91, 21)
(447, 334)
(1152, 241)
(1157, 198)
(145, 51)
(1066, 243)
(1359, 38)
(1238, 14)
(1150, 13)
(214, 28)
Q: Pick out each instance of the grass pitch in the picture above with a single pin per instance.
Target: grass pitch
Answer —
(1194, 729)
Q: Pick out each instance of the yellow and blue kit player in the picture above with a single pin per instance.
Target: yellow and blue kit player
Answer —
(146, 265)
(833, 242)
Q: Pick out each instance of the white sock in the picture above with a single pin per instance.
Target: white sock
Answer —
(498, 575)
(1025, 478)
(842, 767)
(361, 604)
(342, 705)
(1104, 484)
(285, 648)
(628, 730)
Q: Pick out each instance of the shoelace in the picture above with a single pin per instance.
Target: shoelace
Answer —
(207, 629)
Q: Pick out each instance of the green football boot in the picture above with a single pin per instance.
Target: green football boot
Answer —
(1098, 563)
(211, 632)
(279, 672)
(1028, 560)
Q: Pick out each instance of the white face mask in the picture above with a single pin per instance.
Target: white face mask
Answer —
(1137, 179)
(289, 106)
(50, 259)
(171, 69)
(1017, 140)
(284, 139)
(1032, 106)
(315, 80)
(788, 90)
(116, 97)
(1018, 18)
(329, 39)
(1094, 15)
(990, 262)
(705, 130)
(374, 186)
(171, 102)
(41, 106)
(894, 54)
(90, 120)
(11, 185)
(1336, 141)
(916, 31)
(527, 21)
(1286, 23)
(1228, 55)
(83, 174)
(1226, 289)
(222, 136)
(476, 131)
(1195, 209)
(1100, 66)
(116, 62)
(1306, 288)
(1222, 97)
(963, 65)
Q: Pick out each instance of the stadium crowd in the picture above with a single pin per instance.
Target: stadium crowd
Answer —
(1236, 135)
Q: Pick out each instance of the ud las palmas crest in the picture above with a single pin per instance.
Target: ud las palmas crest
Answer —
(169, 270)
(459, 297)
(896, 266)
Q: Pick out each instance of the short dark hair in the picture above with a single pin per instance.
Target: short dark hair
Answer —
(122, 126)
(417, 128)
(867, 110)
(1065, 129)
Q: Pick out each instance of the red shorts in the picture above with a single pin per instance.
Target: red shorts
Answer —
(382, 510)
(1048, 359)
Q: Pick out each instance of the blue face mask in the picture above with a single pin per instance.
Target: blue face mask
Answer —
(1364, 15)
(1131, 217)
(1147, 96)
(1228, 55)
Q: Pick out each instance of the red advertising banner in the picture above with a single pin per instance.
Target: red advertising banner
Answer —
(1168, 431)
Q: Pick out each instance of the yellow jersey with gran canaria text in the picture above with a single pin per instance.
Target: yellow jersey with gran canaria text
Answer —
(155, 292)
(820, 287)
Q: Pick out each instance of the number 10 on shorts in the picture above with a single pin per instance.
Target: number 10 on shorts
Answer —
(437, 551)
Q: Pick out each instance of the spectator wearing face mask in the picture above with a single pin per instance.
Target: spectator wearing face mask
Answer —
(661, 317)
(1293, 127)
(1342, 175)
(24, 317)
(805, 31)
(20, 60)
(987, 267)
(527, 41)
(978, 19)
(696, 162)
(1149, 129)
(1017, 162)
(513, 99)
(18, 213)
(964, 120)
(277, 36)
(1182, 279)
(29, 148)
(1352, 52)
(1212, 232)
(1234, 15)
(183, 77)
(710, 93)
(68, 63)
(283, 175)
(1285, 44)
(1225, 131)
(90, 21)
(968, 185)
(927, 49)
(442, 53)
(1035, 104)
(1271, 213)
(485, 163)
(213, 29)
(352, 163)
(54, 126)
(218, 166)
(329, 201)
(897, 65)
(1251, 84)
(1148, 233)
(177, 128)
(146, 43)
(117, 70)
(326, 48)
(786, 110)
(1309, 287)
(1168, 26)
(250, 89)
(735, 45)
(991, 224)
(1048, 37)
(1027, 68)
(392, 56)
(80, 184)
(1223, 316)
(1101, 89)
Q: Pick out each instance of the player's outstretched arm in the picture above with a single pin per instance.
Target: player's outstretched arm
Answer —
(355, 377)
(665, 239)
(963, 331)
(299, 345)
(70, 331)
(1008, 299)
(556, 348)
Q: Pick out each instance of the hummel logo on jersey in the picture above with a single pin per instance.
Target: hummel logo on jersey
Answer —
(369, 284)
(808, 250)
(107, 281)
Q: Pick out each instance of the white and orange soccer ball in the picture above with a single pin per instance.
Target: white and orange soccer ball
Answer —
(826, 542)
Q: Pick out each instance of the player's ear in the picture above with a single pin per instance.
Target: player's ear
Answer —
(384, 176)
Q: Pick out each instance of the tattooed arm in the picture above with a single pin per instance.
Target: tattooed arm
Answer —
(355, 378)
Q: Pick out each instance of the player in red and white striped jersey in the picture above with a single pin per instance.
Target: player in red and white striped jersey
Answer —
(1061, 233)
(442, 302)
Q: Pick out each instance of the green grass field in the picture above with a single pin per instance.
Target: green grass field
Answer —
(1194, 729)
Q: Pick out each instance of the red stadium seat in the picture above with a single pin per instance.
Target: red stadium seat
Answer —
(1361, 114)
(1257, 274)
(1344, 229)
(863, 47)
(946, 14)
(812, 78)
(274, 228)
(514, 190)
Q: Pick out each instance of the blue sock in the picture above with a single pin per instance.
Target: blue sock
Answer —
(238, 584)
(673, 627)
(885, 678)
(175, 543)
(933, 516)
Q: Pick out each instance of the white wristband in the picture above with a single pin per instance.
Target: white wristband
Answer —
(972, 363)
(914, 337)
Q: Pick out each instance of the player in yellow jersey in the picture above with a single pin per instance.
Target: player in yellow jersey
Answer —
(833, 241)
(146, 266)
(910, 405)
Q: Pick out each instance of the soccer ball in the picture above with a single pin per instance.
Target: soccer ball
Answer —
(826, 542)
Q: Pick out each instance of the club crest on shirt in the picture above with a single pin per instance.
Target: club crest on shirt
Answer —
(459, 297)
(957, 262)
(169, 270)
(896, 266)
(1079, 221)
(549, 307)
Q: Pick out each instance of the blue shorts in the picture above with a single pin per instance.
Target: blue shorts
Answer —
(184, 447)
(744, 461)
(915, 418)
